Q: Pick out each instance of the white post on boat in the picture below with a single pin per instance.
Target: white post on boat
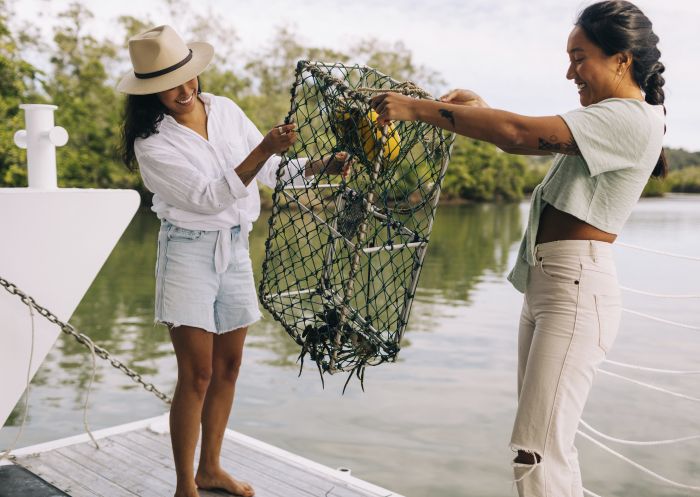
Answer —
(41, 139)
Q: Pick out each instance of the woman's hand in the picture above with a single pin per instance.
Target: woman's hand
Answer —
(279, 139)
(338, 163)
(394, 107)
(464, 97)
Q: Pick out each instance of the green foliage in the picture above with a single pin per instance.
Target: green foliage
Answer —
(84, 70)
(479, 171)
(686, 180)
(17, 82)
(655, 188)
(679, 158)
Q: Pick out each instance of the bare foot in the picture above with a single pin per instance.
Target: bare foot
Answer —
(190, 491)
(221, 480)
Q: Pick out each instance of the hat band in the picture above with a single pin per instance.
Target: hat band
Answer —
(149, 75)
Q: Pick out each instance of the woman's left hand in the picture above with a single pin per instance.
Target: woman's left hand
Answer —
(338, 163)
(394, 107)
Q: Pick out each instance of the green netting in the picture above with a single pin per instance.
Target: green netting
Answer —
(343, 255)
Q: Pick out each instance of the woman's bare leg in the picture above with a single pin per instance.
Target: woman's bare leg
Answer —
(193, 349)
(226, 362)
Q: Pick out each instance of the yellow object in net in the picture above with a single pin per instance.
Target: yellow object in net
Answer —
(370, 133)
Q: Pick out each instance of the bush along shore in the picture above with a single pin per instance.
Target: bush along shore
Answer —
(81, 72)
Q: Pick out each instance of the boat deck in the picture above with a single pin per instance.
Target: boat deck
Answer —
(136, 460)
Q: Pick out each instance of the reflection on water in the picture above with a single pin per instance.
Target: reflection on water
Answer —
(468, 243)
(438, 421)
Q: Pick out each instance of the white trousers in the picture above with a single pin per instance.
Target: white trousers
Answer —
(570, 317)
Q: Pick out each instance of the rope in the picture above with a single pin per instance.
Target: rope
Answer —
(639, 466)
(660, 252)
(661, 295)
(651, 370)
(405, 88)
(638, 442)
(661, 320)
(650, 386)
(82, 339)
(91, 347)
(343, 255)
(6, 453)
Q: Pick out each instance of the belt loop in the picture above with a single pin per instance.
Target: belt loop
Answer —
(594, 251)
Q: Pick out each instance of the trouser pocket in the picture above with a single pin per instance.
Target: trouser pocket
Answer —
(608, 310)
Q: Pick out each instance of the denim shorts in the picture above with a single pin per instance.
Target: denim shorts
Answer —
(189, 290)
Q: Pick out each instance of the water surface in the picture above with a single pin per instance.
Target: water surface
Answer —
(437, 422)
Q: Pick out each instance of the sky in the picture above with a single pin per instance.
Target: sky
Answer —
(511, 52)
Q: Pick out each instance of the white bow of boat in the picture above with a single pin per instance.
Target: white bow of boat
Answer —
(55, 240)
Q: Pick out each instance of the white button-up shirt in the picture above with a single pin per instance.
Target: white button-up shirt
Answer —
(193, 179)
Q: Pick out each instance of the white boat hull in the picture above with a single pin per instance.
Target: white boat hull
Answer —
(52, 245)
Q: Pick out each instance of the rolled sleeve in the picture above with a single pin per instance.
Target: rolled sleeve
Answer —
(178, 183)
(238, 189)
(611, 135)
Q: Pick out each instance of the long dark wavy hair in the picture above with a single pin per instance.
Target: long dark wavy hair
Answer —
(141, 117)
(619, 26)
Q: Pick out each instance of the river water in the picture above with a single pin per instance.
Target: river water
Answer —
(437, 423)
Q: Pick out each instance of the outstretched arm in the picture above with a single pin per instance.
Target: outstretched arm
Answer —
(511, 132)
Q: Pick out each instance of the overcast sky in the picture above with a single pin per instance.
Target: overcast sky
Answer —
(512, 52)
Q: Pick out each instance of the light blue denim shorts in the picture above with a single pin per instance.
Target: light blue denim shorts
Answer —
(190, 292)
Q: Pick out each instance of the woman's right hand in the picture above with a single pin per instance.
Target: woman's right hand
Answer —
(464, 97)
(279, 139)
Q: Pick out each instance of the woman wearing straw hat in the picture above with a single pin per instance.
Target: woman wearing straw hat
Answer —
(200, 155)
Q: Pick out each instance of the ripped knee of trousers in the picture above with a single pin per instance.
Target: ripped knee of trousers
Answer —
(525, 463)
(527, 457)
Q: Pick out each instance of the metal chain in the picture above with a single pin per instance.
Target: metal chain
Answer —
(83, 339)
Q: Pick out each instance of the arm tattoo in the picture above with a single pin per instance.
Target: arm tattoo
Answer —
(554, 145)
(449, 115)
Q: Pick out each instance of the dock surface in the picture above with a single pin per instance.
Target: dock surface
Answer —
(136, 460)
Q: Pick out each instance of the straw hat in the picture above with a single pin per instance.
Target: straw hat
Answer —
(162, 60)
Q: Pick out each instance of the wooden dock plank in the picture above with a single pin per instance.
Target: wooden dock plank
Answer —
(274, 468)
(162, 452)
(139, 475)
(55, 477)
(261, 482)
(135, 461)
(100, 486)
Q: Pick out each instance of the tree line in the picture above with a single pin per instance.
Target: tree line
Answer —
(81, 71)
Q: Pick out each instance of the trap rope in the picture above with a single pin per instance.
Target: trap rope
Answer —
(343, 255)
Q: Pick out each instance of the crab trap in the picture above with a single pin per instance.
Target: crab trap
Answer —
(343, 255)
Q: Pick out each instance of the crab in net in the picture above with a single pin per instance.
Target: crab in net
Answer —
(344, 254)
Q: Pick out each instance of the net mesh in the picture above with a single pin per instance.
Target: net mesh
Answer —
(343, 255)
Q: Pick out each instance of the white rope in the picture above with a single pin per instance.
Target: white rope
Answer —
(660, 252)
(91, 346)
(661, 320)
(638, 442)
(588, 492)
(661, 295)
(652, 370)
(639, 466)
(650, 386)
(6, 453)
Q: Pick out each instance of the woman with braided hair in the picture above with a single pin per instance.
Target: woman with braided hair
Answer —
(604, 153)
